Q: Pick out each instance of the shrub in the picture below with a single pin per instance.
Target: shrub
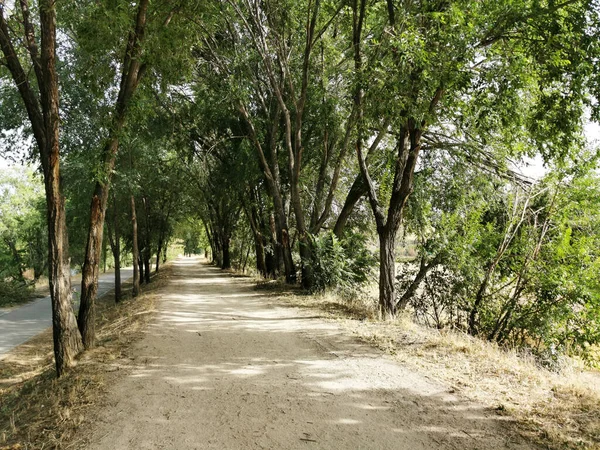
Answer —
(13, 292)
(340, 264)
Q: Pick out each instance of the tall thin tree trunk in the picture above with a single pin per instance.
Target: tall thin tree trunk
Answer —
(158, 253)
(117, 257)
(259, 246)
(277, 248)
(226, 263)
(67, 340)
(43, 113)
(147, 266)
(134, 250)
(132, 71)
(387, 273)
(146, 253)
(140, 263)
(424, 268)
(357, 191)
(115, 246)
(104, 255)
(90, 269)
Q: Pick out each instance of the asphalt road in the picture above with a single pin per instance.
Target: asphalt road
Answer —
(20, 324)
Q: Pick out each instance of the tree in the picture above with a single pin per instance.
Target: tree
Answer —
(447, 64)
(21, 227)
(132, 72)
(42, 105)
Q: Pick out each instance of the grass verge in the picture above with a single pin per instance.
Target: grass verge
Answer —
(39, 411)
(554, 410)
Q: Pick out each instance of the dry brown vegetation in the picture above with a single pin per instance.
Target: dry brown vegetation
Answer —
(38, 411)
(555, 410)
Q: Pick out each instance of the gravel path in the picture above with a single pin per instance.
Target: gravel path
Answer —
(224, 367)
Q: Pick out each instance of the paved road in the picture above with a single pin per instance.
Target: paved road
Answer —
(20, 324)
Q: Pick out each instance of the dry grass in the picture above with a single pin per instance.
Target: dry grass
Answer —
(38, 411)
(555, 410)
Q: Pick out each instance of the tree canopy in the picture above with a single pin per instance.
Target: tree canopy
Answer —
(314, 141)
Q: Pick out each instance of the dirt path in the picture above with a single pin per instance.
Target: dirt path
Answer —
(221, 367)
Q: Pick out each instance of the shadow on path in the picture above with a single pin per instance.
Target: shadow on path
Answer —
(223, 368)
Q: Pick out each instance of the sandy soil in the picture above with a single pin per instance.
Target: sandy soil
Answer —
(223, 367)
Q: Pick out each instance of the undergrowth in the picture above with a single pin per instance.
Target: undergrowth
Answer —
(39, 411)
(554, 409)
(14, 293)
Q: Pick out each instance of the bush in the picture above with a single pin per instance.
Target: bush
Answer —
(12, 292)
(340, 264)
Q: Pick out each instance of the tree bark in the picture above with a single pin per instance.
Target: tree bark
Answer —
(226, 264)
(140, 263)
(147, 266)
(44, 117)
(259, 246)
(387, 273)
(158, 255)
(115, 246)
(357, 191)
(424, 269)
(147, 252)
(272, 181)
(130, 78)
(134, 250)
(67, 341)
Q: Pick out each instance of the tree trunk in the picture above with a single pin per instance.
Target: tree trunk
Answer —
(115, 246)
(117, 257)
(132, 72)
(277, 248)
(147, 252)
(424, 268)
(261, 265)
(387, 273)
(67, 340)
(158, 253)
(283, 237)
(134, 250)
(274, 189)
(140, 263)
(305, 249)
(147, 266)
(226, 263)
(90, 269)
(104, 254)
(473, 314)
(259, 246)
(217, 248)
(357, 191)
(43, 113)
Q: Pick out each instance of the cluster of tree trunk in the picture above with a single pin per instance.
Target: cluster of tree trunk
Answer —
(42, 105)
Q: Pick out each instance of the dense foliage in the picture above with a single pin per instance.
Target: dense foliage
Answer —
(309, 140)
